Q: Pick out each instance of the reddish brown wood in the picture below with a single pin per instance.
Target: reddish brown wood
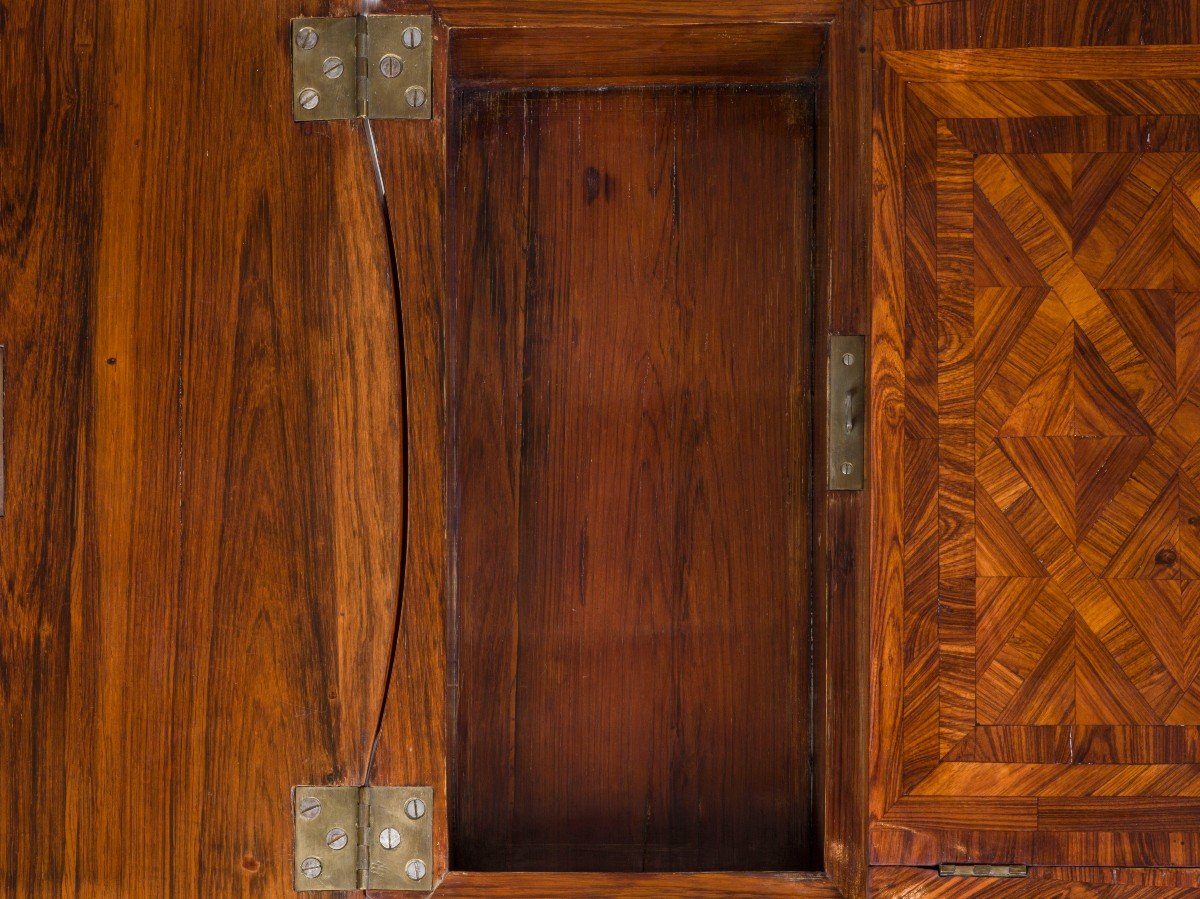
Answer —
(460, 885)
(632, 346)
(609, 13)
(746, 53)
(1036, 271)
(1042, 883)
(203, 447)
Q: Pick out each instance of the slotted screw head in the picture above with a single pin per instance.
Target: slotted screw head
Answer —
(391, 65)
(309, 99)
(311, 867)
(848, 359)
(415, 869)
(415, 97)
(411, 37)
(309, 807)
(336, 839)
(306, 38)
(847, 468)
(332, 67)
(415, 808)
(389, 838)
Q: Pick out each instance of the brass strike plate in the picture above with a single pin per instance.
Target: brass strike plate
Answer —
(948, 870)
(355, 838)
(847, 412)
(377, 67)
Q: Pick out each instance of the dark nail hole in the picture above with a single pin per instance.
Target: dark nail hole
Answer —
(1165, 557)
(112, 361)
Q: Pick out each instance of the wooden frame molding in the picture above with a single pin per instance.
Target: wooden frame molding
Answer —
(521, 45)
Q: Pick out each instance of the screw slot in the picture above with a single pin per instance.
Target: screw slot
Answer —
(847, 469)
(391, 65)
(411, 38)
(415, 869)
(848, 359)
(389, 838)
(306, 38)
(311, 868)
(309, 807)
(415, 809)
(415, 97)
(332, 67)
(309, 99)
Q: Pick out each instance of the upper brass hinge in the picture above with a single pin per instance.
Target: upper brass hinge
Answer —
(949, 870)
(355, 838)
(373, 67)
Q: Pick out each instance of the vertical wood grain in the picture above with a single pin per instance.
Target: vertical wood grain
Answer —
(632, 412)
(205, 444)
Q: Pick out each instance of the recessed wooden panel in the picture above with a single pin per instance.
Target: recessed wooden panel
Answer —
(1037, 597)
(631, 421)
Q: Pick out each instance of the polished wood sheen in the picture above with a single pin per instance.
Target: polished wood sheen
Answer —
(199, 552)
(1036, 544)
(631, 350)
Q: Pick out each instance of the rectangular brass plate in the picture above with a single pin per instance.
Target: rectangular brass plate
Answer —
(336, 98)
(847, 412)
(947, 870)
(388, 868)
(338, 69)
(337, 809)
(388, 98)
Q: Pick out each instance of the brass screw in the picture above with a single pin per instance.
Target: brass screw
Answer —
(415, 97)
(847, 469)
(415, 809)
(391, 65)
(415, 869)
(411, 37)
(336, 839)
(332, 67)
(389, 838)
(310, 807)
(311, 867)
(306, 38)
(309, 98)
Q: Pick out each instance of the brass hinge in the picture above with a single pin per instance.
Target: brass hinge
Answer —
(355, 838)
(355, 67)
(947, 870)
(847, 421)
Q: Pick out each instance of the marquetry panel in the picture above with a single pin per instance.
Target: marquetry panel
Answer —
(1037, 375)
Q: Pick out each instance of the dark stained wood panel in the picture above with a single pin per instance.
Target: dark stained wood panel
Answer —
(1036, 284)
(198, 557)
(631, 350)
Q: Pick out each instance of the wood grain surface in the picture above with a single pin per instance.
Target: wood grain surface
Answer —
(199, 556)
(1036, 277)
(632, 352)
(461, 885)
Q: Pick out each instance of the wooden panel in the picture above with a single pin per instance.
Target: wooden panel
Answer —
(197, 557)
(608, 13)
(1037, 274)
(459, 885)
(576, 56)
(631, 414)
(1042, 883)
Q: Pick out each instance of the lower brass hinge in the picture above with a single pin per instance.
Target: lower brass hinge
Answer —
(355, 838)
(948, 870)
(355, 67)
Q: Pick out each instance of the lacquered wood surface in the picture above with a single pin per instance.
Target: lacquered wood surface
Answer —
(1042, 883)
(460, 885)
(754, 53)
(631, 352)
(1036, 278)
(198, 558)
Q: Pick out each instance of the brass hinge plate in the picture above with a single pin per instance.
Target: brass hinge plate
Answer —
(947, 870)
(375, 67)
(355, 838)
(847, 400)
